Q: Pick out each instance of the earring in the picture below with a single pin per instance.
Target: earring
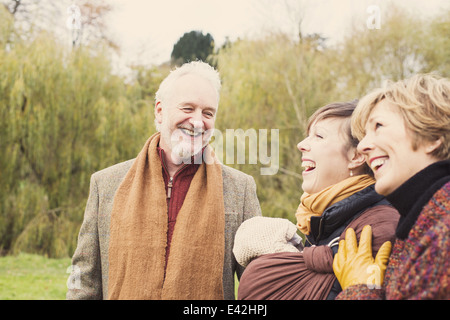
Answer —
(351, 173)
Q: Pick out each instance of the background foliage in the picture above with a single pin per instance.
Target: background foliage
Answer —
(193, 45)
(64, 114)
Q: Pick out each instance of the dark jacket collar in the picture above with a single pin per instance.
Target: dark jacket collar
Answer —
(410, 198)
(341, 213)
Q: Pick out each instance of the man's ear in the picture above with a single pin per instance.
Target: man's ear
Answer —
(357, 159)
(158, 112)
(430, 146)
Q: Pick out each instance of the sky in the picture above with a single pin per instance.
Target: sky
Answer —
(146, 30)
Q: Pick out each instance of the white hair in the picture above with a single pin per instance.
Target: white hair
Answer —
(199, 68)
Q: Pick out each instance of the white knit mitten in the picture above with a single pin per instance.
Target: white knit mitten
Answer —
(263, 235)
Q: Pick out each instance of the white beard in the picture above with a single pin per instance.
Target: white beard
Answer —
(183, 149)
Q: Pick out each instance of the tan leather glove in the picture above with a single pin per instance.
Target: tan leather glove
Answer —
(355, 265)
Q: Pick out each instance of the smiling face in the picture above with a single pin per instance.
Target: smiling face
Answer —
(326, 155)
(388, 148)
(187, 117)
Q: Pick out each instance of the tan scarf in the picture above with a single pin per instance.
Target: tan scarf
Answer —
(138, 234)
(316, 203)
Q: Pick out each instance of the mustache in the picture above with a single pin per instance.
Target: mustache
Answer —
(191, 128)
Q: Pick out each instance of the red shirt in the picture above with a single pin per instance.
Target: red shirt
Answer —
(176, 190)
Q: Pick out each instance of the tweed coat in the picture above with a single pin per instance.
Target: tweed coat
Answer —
(89, 276)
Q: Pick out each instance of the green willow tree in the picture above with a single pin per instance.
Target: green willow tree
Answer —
(63, 116)
(404, 45)
(274, 83)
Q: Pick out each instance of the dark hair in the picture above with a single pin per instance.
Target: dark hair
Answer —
(343, 110)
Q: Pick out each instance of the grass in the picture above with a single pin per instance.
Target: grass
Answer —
(33, 277)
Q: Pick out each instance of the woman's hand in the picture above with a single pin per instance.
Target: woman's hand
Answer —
(355, 265)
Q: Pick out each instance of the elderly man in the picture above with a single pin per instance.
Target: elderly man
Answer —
(162, 225)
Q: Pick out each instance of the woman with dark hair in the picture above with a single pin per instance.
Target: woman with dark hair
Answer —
(405, 136)
(338, 193)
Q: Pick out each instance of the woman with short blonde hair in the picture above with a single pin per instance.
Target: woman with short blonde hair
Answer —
(404, 132)
(423, 101)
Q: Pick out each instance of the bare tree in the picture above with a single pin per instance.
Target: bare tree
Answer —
(13, 6)
(84, 21)
(282, 16)
(33, 15)
(93, 22)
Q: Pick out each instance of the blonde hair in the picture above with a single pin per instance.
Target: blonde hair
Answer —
(424, 103)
